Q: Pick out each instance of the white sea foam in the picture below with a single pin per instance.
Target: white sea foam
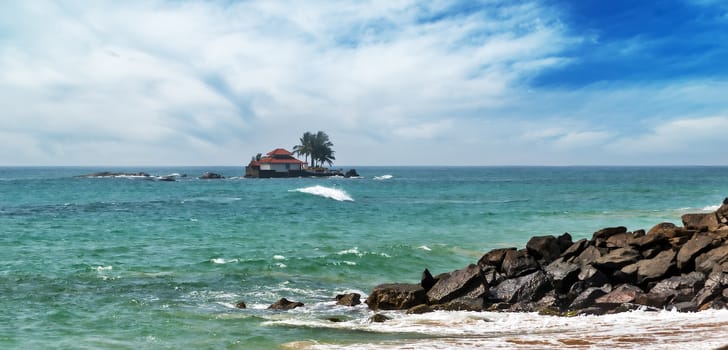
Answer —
(222, 261)
(354, 251)
(711, 208)
(279, 257)
(383, 177)
(425, 248)
(281, 265)
(326, 192)
(104, 268)
(472, 330)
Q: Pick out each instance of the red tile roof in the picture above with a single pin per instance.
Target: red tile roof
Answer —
(280, 152)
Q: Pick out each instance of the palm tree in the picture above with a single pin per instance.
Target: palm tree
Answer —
(322, 151)
(305, 148)
(318, 146)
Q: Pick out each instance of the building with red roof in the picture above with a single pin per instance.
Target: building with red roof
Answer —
(276, 163)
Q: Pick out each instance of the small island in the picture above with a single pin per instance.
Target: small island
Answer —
(280, 162)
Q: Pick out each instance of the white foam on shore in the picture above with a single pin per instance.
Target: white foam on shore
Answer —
(711, 208)
(326, 192)
(488, 330)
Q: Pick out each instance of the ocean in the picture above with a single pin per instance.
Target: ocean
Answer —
(127, 263)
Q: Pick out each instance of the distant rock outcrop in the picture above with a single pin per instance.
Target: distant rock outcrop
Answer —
(682, 268)
(211, 176)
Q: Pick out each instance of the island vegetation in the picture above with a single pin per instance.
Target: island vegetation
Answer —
(317, 146)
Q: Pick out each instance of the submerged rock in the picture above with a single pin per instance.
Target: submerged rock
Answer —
(349, 299)
(285, 304)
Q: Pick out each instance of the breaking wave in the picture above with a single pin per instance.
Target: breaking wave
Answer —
(383, 177)
(326, 192)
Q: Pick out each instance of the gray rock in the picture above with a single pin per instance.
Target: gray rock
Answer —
(700, 243)
(527, 288)
(379, 318)
(494, 257)
(518, 263)
(625, 293)
(707, 221)
(588, 297)
(285, 304)
(459, 283)
(589, 255)
(563, 274)
(543, 248)
(649, 270)
(396, 296)
(680, 288)
(349, 299)
(575, 249)
(710, 260)
(617, 259)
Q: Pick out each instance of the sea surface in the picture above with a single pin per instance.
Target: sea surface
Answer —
(129, 263)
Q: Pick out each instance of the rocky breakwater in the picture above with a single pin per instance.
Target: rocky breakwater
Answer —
(668, 267)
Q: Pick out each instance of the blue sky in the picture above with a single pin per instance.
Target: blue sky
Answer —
(441, 82)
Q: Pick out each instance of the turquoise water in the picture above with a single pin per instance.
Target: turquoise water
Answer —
(118, 263)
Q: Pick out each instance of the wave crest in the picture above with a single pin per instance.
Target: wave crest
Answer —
(326, 192)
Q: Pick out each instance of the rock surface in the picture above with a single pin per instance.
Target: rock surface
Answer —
(285, 304)
(681, 268)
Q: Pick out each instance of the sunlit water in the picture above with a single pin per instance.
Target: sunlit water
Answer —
(129, 263)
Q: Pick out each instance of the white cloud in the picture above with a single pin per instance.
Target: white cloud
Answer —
(157, 82)
(688, 135)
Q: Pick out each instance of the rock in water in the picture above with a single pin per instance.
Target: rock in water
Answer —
(396, 296)
(350, 299)
(285, 304)
(209, 176)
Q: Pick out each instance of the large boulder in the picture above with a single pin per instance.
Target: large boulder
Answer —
(589, 296)
(518, 263)
(711, 259)
(543, 248)
(526, 288)
(589, 255)
(714, 285)
(396, 296)
(625, 293)
(648, 270)
(463, 304)
(563, 274)
(575, 249)
(617, 259)
(459, 283)
(427, 281)
(700, 243)
(665, 228)
(494, 257)
(707, 221)
(680, 288)
(605, 233)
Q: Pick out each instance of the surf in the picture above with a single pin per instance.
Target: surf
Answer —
(326, 192)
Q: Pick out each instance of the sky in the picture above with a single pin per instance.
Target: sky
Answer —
(392, 82)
